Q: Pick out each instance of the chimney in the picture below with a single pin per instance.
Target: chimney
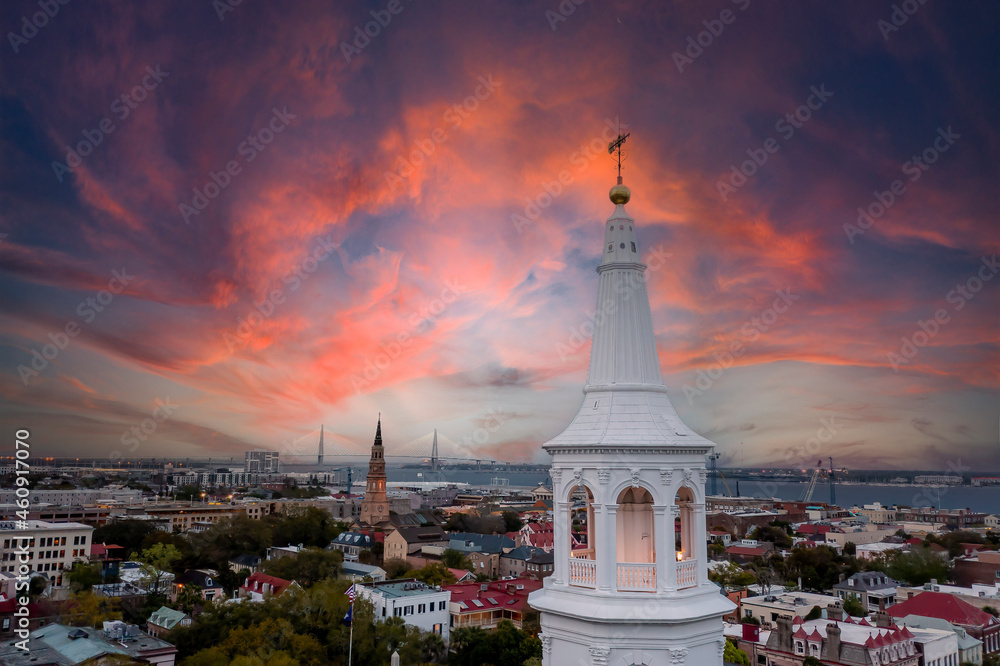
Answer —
(841, 578)
(833, 642)
(835, 610)
(785, 633)
(882, 619)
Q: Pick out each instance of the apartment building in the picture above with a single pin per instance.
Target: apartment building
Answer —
(47, 548)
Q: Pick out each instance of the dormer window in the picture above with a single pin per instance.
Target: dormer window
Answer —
(799, 648)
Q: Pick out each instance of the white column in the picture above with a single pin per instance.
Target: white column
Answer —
(685, 514)
(560, 548)
(669, 582)
(664, 553)
(607, 557)
(700, 534)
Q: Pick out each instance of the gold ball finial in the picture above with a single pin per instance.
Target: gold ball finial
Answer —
(620, 194)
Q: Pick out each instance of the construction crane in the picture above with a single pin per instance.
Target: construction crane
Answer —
(808, 495)
(833, 490)
(349, 476)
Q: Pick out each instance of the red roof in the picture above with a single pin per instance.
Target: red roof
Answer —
(255, 583)
(101, 549)
(943, 606)
(915, 541)
(814, 529)
(498, 594)
(746, 550)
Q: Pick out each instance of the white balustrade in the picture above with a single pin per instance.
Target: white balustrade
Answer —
(637, 576)
(687, 573)
(582, 573)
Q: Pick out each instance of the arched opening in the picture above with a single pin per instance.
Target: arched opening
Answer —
(582, 541)
(635, 541)
(685, 542)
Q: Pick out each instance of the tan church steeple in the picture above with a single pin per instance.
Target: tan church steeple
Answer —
(375, 506)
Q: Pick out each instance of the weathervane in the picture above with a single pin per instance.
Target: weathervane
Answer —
(622, 155)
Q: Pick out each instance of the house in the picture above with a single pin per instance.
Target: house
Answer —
(248, 563)
(486, 564)
(950, 608)
(109, 556)
(206, 580)
(357, 572)
(418, 604)
(979, 566)
(258, 586)
(970, 650)
(486, 604)
(720, 536)
(539, 565)
(539, 535)
(275, 552)
(165, 619)
(747, 550)
(482, 550)
(351, 543)
(873, 589)
(61, 645)
(851, 644)
(515, 563)
(768, 608)
(408, 540)
(145, 577)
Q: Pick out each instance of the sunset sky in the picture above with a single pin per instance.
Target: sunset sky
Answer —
(391, 206)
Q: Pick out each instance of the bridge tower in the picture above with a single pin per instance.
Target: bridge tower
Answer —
(434, 452)
(319, 455)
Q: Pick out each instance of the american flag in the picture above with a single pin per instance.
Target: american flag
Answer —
(350, 593)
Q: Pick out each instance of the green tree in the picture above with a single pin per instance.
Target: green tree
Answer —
(395, 568)
(155, 562)
(433, 573)
(128, 533)
(86, 609)
(511, 521)
(455, 559)
(308, 526)
(188, 597)
(306, 567)
(853, 607)
(814, 614)
(731, 575)
(850, 548)
(917, 566)
(811, 661)
(734, 655)
(84, 576)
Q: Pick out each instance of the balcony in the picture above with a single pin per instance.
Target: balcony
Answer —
(582, 573)
(687, 574)
(637, 576)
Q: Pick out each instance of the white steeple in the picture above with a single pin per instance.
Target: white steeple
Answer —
(630, 594)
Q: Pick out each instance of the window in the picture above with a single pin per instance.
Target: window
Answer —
(441, 606)
(633, 247)
(799, 648)
(421, 608)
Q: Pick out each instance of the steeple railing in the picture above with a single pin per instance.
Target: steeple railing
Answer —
(637, 576)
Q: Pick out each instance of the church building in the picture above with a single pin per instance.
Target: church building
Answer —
(639, 592)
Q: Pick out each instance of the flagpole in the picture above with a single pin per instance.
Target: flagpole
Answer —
(350, 641)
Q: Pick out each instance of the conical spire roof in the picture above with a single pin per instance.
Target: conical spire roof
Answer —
(625, 401)
(378, 432)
